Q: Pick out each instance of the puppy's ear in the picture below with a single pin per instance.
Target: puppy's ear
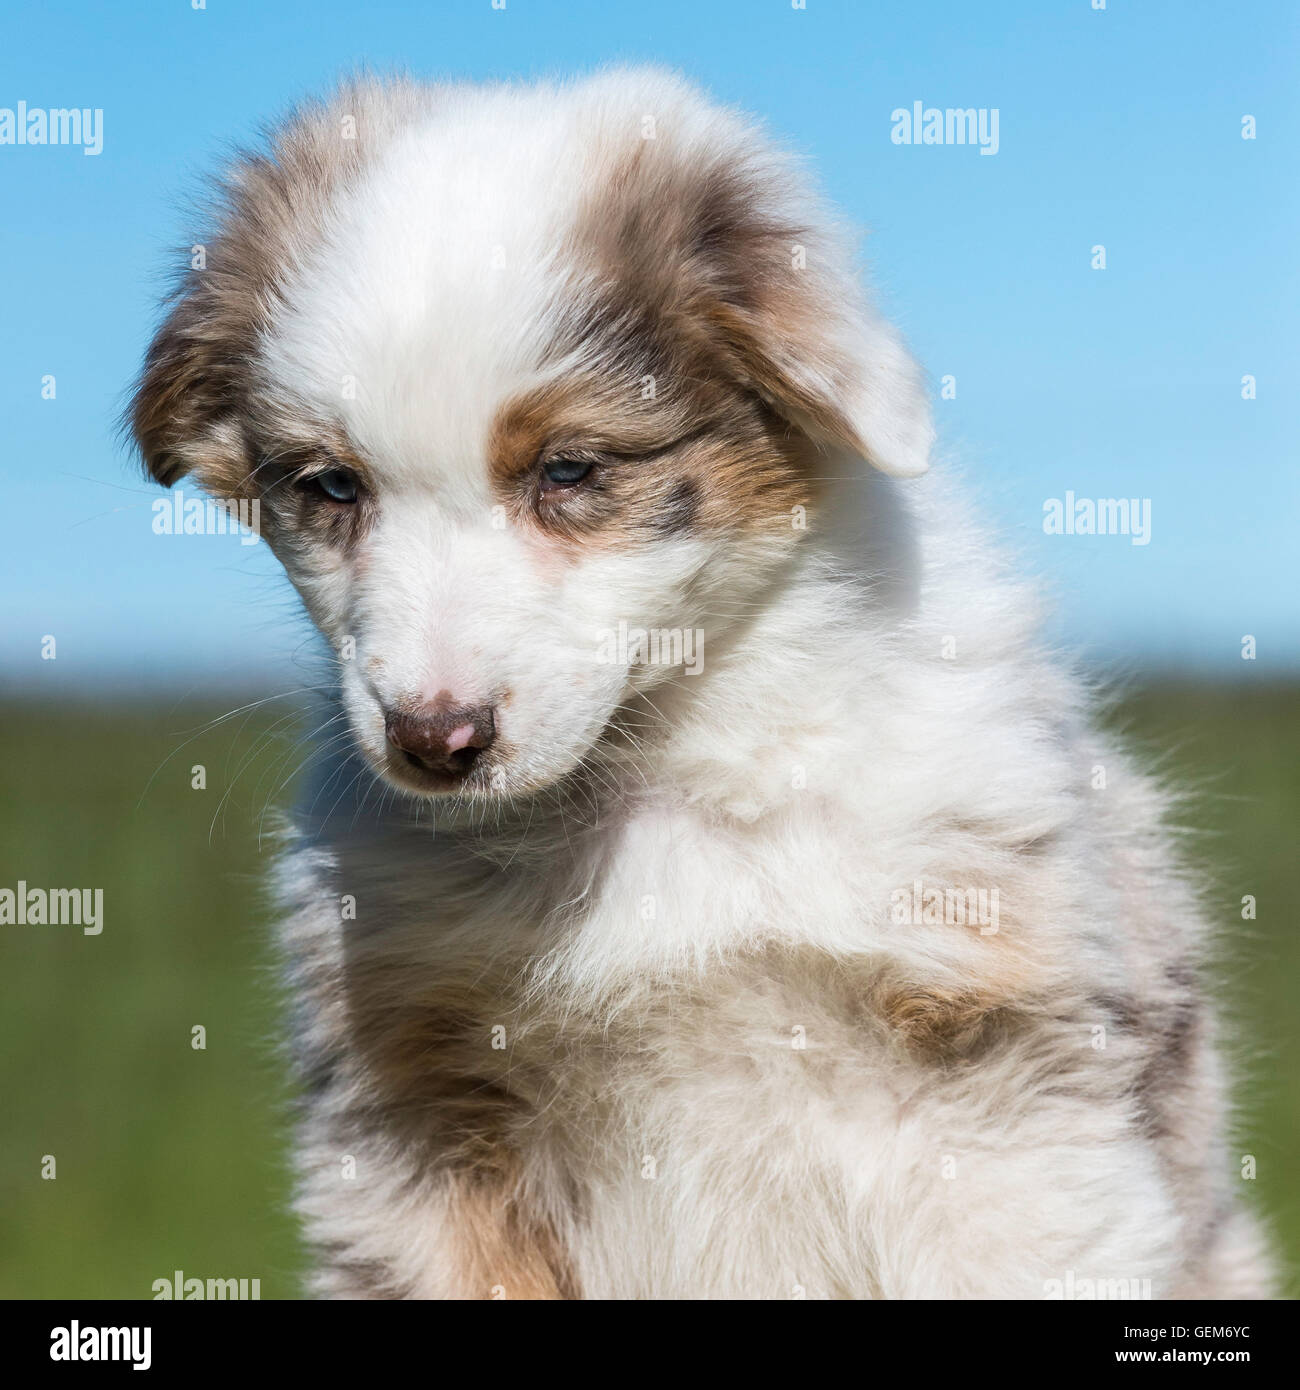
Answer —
(745, 248)
(186, 386)
(197, 385)
(789, 307)
(843, 378)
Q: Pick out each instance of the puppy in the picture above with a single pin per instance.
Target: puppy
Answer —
(720, 892)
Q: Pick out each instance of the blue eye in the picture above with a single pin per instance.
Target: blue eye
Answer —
(566, 472)
(337, 484)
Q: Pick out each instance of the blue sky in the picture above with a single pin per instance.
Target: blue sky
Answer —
(1119, 127)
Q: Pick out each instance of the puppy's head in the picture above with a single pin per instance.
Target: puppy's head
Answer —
(532, 386)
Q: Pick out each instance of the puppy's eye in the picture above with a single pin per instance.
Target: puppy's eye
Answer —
(337, 484)
(564, 472)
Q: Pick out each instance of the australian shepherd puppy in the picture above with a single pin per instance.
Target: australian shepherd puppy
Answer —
(720, 891)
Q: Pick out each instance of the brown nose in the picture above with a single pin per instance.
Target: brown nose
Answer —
(443, 738)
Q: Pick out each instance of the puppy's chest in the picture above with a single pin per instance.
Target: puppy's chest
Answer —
(681, 982)
(640, 1089)
(651, 1054)
(731, 1107)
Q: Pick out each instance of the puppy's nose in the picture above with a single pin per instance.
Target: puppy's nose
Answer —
(441, 738)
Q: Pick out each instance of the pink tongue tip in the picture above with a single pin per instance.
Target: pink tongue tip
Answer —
(459, 738)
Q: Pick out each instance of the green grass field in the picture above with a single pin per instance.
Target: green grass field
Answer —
(172, 1158)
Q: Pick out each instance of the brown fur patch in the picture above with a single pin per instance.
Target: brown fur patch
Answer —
(505, 1250)
(710, 458)
(694, 249)
(194, 407)
(708, 369)
(451, 1105)
(943, 1025)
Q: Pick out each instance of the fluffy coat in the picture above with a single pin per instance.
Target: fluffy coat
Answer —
(849, 960)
